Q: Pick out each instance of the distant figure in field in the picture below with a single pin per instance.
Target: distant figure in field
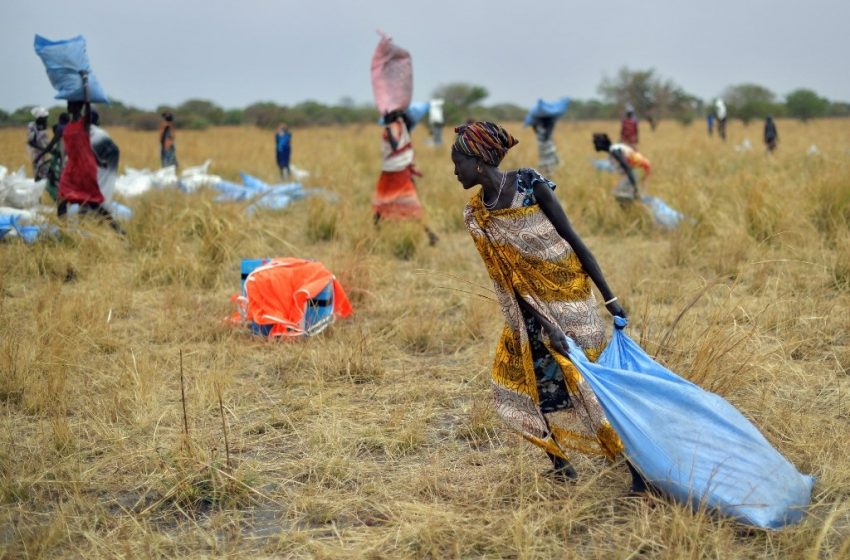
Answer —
(78, 184)
(709, 122)
(547, 152)
(435, 119)
(38, 140)
(771, 136)
(720, 112)
(283, 149)
(395, 194)
(542, 274)
(629, 128)
(167, 148)
(626, 159)
(54, 154)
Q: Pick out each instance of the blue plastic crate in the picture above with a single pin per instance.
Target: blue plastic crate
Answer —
(320, 311)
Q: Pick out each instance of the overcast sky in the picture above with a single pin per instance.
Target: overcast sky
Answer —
(151, 52)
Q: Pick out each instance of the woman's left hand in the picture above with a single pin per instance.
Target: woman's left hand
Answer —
(558, 340)
(614, 308)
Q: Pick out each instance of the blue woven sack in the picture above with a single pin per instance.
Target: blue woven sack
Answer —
(64, 60)
(543, 108)
(690, 443)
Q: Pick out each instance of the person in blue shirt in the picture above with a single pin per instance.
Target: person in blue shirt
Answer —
(283, 148)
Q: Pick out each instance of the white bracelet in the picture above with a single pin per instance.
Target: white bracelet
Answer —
(612, 300)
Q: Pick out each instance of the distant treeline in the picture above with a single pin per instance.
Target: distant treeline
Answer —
(654, 99)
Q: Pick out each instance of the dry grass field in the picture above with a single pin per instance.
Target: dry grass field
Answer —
(377, 439)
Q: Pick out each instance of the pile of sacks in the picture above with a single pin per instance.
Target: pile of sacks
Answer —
(19, 199)
(19, 191)
(22, 214)
(137, 181)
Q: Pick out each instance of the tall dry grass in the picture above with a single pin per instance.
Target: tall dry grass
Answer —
(376, 439)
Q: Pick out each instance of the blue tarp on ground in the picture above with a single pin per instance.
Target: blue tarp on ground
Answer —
(665, 216)
(543, 108)
(263, 195)
(64, 60)
(692, 444)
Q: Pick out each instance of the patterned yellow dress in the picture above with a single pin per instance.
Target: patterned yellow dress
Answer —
(538, 392)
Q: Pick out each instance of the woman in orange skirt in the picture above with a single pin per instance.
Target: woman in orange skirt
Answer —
(395, 194)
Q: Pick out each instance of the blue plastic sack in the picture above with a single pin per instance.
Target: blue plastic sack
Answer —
(664, 216)
(7, 224)
(543, 108)
(689, 443)
(64, 60)
(416, 112)
(119, 211)
(604, 165)
(278, 197)
(253, 184)
(231, 192)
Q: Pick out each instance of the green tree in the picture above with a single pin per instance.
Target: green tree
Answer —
(805, 104)
(635, 87)
(839, 109)
(234, 117)
(652, 97)
(750, 101)
(592, 109)
(200, 113)
(460, 99)
(265, 114)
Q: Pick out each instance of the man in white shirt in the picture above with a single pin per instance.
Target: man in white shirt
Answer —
(720, 111)
(435, 119)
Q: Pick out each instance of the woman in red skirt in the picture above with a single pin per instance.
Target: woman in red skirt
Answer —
(78, 184)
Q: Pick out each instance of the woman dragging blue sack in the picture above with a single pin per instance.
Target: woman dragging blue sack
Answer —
(558, 383)
(542, 273)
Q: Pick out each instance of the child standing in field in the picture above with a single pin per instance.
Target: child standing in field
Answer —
(167, 149)
(283, 149)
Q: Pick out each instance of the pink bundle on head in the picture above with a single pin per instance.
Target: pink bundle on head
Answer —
(392, 76)
(486, 141)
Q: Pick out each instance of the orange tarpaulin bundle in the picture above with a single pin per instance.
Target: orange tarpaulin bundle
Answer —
(290, 297)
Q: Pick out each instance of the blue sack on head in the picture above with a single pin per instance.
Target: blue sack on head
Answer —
(64, 60)
(689, 443)
(543, 108)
